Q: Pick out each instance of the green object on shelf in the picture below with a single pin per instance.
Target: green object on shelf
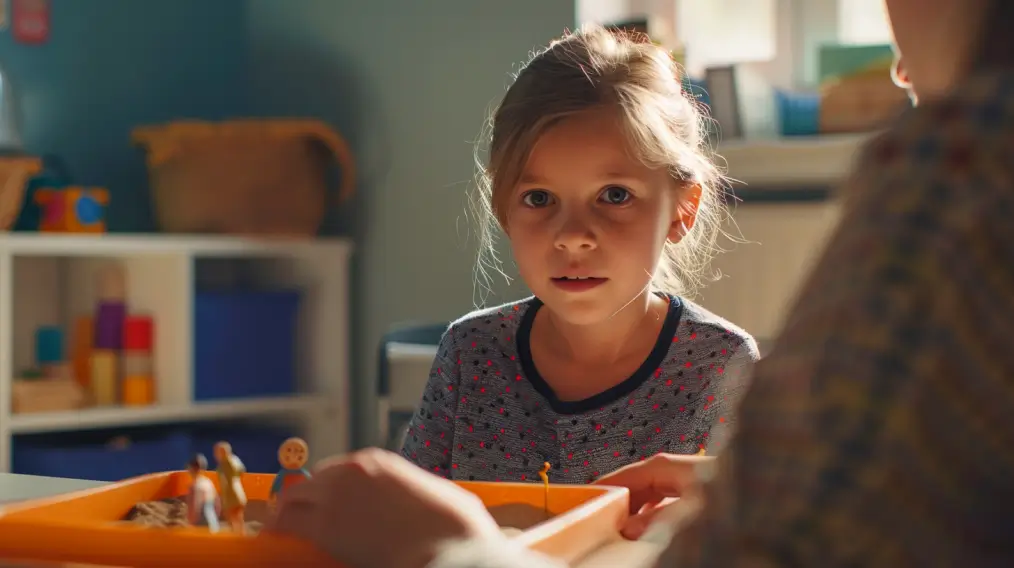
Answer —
(836, 61)
(31, 374)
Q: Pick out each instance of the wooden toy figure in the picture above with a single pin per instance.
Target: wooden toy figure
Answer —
(203, 503)
(292, 455)
(230, 484)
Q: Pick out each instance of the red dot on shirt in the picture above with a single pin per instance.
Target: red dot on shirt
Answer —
(631, 432)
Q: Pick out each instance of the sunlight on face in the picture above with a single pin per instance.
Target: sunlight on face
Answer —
(588, 221)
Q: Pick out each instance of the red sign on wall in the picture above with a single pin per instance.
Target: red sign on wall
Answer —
(30, 20)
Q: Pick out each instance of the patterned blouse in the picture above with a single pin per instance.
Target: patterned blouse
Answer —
(880, 430)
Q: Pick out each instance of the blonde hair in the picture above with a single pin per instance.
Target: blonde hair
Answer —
(591, 69)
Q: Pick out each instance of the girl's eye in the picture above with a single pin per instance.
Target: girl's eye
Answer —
(536, 198)
(615, 195)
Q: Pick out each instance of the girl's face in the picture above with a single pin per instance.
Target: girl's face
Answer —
(935, 39)
(588, 221)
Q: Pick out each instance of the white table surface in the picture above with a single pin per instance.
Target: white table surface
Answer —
(617, 554)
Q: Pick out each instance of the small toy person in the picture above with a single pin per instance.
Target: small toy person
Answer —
(203, 504)
(230, 484)
(292, 455)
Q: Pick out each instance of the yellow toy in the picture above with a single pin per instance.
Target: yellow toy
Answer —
(230, 486)
(544, 474)
(73, 209)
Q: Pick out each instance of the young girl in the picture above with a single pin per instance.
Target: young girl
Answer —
(598, 176)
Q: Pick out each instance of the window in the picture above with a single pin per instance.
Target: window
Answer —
(863, 22)
(720, 32)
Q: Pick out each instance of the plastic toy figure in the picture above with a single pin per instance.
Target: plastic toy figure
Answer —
(230, 484)
(203, 503)
(292, 455)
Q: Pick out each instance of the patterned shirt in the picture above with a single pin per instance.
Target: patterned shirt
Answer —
(880, 430)
(488, 415)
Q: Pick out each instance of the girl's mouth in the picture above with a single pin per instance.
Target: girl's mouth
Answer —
(578, 283)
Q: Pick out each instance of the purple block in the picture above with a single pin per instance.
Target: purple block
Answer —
(109, 325)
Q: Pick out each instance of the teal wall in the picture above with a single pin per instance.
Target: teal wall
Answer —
(409, 83)
(112, 64)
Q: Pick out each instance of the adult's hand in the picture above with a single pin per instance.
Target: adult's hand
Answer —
(373, 509)
(654, 484)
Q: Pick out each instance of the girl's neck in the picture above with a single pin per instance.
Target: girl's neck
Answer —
(607, 341)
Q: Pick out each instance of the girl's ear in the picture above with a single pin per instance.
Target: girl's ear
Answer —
(686, 212)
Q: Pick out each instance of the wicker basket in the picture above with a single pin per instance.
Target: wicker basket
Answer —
(250, 177)
(15, 171)
(860, 103)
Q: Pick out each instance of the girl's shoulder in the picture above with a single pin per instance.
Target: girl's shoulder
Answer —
(494, 325)
(701, 327)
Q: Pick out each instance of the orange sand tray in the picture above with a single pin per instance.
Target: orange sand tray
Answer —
(86, 527)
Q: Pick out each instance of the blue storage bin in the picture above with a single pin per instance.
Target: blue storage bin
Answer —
(244, 344)
(97, 456)
(799, 113)
(256, 447)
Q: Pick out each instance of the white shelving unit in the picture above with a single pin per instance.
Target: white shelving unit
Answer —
(792, 162)
(49, 280)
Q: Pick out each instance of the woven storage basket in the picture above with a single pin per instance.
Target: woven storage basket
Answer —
(15, 171)
(250, 177)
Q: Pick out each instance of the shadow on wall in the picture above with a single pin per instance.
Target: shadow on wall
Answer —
(306, 80)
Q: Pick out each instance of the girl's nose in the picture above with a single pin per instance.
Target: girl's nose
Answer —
(574, 235)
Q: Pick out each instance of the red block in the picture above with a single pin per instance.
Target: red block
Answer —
(138, 333)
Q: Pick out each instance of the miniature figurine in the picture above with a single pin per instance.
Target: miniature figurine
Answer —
(230, 471)
(544, 474)
(203, 503)
(292, 455)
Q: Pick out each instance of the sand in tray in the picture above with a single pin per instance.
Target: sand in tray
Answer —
(172, 512)
(515, 518)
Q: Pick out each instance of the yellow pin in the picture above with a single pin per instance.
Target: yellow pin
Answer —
(544, 474)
